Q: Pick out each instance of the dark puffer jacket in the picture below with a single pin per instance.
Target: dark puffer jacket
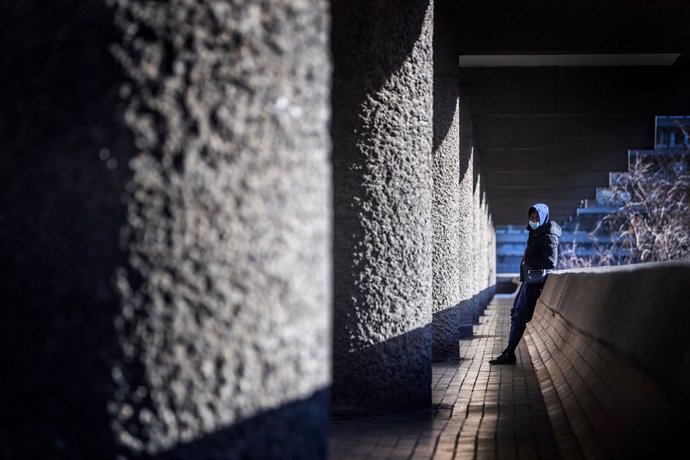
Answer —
(542, 243)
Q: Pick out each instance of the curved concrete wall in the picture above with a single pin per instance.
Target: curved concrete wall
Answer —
(382, 159)
(170, 263)
(614, 342)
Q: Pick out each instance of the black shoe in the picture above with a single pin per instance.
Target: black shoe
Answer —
(504, 358)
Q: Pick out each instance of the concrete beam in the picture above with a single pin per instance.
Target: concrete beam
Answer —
(544, 179)
(614, 26)
(530, 159)
(538, 194)
(564, 132)
(519, 216)
(522, 213)
(643, 90)
(511, 203)
(537, 154)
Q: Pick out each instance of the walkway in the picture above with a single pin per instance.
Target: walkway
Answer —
(479, 411)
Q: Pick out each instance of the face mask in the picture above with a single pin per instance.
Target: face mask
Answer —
(534, 225)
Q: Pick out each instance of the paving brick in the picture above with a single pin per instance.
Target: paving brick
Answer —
(479, 411)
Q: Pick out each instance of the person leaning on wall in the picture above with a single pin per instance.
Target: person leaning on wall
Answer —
(541, 256)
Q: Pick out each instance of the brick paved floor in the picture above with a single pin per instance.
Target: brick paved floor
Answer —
(479, 411)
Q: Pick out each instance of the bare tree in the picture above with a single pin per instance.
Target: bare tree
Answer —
(568, 256)
(601, 253)
(653, 220)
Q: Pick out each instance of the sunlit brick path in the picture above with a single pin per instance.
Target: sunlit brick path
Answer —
(479, 411)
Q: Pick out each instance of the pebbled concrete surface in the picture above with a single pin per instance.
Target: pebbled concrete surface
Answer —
(166, 222)
(466, 226)
(226, 294)
(446, 220)
(382, 134)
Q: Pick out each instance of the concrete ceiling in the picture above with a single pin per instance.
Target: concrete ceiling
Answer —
(566, 60)
(560, 91)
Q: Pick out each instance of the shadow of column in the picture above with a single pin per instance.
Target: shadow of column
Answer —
(64, 169)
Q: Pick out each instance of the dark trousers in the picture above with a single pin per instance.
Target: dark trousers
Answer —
(521, 313)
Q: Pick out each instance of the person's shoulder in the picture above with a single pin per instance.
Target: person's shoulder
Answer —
(555, 229)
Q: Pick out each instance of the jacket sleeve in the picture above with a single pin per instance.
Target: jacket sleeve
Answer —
(543, 252)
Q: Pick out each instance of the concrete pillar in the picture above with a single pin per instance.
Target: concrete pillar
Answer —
(481, 250)
(452, 316)
(481, 254)
(490, 237)
(382, 140)
(466, 227)
(446, 220)
(474, 208)
(169, 282)
(485, 252)
(446, 178)
(490, 256)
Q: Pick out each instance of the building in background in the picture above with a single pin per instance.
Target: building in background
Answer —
(672, 133)
(582, 236)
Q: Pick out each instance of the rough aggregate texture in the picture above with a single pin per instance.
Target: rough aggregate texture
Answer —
(446, 219)
(492, 255)
(226, 293)
(480, 249)
(382, 134)
(485, 253)
(165, 229)
(466, 227)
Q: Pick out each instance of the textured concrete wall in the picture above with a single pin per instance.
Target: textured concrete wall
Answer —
(169, 279)
(446, 219)
(382, 140)
(613, 342)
